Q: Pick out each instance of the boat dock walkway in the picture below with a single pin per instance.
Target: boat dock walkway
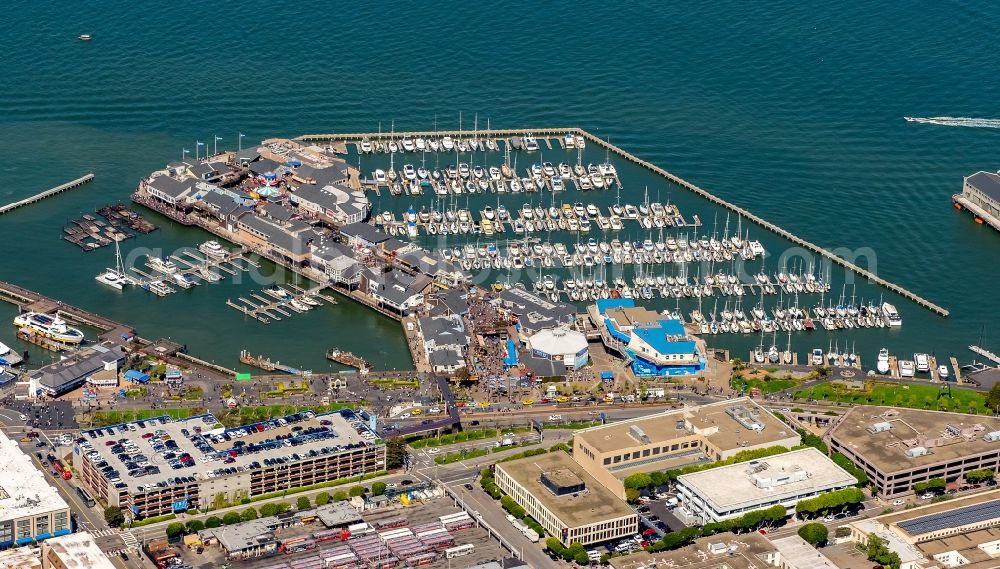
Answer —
(985, 353)
(540, 133)
(281, 304)
(47, 193)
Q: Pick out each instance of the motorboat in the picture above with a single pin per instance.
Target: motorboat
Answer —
(409, 172)
(379, 176)
(817, 357)
(213, 249)
(184, 280)
(891, 315)
(85, 37)
(922, 363)
(906, 368)
(942, 372)
(530, 143)
(163, 265)
(882, 365)
(52, 327)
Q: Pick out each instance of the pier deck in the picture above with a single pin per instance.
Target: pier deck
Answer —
(47, 193)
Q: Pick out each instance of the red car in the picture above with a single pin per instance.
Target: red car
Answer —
(147, 435)
(649, 531)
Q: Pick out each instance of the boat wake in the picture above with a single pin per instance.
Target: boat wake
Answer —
(957, 121)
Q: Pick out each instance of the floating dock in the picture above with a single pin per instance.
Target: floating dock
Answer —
(541, 133)
(47, 193)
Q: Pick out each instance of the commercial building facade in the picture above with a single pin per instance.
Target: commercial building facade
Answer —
(565, 499)
(678, 438)
(728, 492)
(653, 346)
(30, 509)
(899, 448)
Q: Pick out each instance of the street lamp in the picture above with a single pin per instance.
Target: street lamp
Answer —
(215, 148)
(198, 144)
(240, 142)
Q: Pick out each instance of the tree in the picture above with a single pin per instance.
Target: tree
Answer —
(979, 476)
(113, 516)
(357, 491)
(194, 526)
(815, 534)
(581, 558)
(378, 488)
(213, 522)
(395, 453)
(934, 485)
(283, 507)
(303, 503)
(323, 498)
(269, 510)
(248, 514)
(339, 496)
(631, 495)
(993, 398)
(842, 531)
(638, 481)
(879, 552)
(174, 530)
(231, 518)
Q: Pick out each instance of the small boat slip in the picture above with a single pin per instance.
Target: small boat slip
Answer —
(275, 302)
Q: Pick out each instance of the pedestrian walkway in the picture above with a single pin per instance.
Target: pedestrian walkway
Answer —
(129, 538)
(103, 532)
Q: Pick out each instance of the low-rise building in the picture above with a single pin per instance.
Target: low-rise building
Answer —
(395, 290)
(74, 551)
(962, 532)
(899, 448)
(565, 499)
(444, 341)
(981, 196)
(651, 344)
(796, 553)
(720, 551)
(67, 374)
(678, 438)
(532, 312)
(30, 509)
(159, 466)
(169, 190)
(728, 492)
(562, 345)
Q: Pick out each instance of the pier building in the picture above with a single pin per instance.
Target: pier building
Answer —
(67, 374)
(532, 312)
(898, 447)
(30, 509)
(728, 492)
(444, 341)
(565, 499)
(981, 196)
(560, 345)
(652, 345)
(159, 466)
(678, 438)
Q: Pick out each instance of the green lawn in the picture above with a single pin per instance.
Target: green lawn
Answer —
(102, 418)
(766, 386)
(891, 394)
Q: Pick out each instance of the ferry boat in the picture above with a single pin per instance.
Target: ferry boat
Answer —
(49, 326)
(891, 316)
(213, 249)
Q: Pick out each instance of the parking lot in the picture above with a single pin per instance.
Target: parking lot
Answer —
(485, 548)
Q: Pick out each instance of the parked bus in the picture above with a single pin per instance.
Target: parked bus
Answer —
(458, 551)
(88, 500)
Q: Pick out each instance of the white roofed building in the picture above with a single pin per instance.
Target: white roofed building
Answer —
(30, 509)
(560, 344)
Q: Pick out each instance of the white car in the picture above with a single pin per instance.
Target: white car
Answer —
(24, 417)
(555, 417)
(433, 450)
(898, 502)
(404, 416)
(434, 410)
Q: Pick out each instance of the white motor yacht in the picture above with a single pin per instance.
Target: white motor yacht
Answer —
(882, 365)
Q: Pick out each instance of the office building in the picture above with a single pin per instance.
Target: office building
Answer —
(721, 551)
(678, 438)
(898, 448)
(565, 499)
(728, 492)
(74, 551)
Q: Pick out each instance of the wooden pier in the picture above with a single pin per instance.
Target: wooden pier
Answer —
(558, 132)
(47, 193)
(985, 353)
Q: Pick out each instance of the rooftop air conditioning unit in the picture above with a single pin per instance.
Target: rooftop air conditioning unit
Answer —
(992, 437)
(880, 427)
(916, 451)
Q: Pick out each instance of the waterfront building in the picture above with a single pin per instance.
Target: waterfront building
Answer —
(981, 195)
(363, 235)
(30, 509)
(898, 448)
(440, 270)
(728, 492)
(652, 345)
(338, 262)
(562, 496)
(444, 341)
(158, 466)
(560, 345)
(73, 371)
(674, 439)
(532, 312)
(395, 290)
(333, 203)
(290, 241)
(170, 190)
(961, 532)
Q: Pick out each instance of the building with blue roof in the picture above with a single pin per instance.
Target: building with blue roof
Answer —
(651, 344)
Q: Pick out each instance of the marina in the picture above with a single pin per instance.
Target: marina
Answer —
(277, 303)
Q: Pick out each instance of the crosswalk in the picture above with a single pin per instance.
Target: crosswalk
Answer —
(130, 540)
(103, 532)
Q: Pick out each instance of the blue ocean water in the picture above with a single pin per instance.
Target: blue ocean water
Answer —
(793, 110)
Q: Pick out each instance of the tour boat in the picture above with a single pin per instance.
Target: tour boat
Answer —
(52, 327)
(213, 249)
